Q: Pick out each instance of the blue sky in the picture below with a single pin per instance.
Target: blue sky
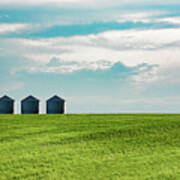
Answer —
(101, 56)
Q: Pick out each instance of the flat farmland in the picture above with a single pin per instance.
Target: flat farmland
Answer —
(87, 146)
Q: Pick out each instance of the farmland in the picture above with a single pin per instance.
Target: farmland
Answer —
(124, 146)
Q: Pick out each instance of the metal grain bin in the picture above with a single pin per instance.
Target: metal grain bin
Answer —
(6, 105)
(30, 105)
(55, 105)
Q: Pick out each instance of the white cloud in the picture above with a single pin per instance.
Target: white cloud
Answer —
(131, 47)
(147, 76)
(165, 75)
(171, 20)
(61, 3)
(148, 17)
(8, 28)
(84, 3)
(63, 67)
(144, 17)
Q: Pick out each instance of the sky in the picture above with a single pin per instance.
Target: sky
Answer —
(101, 56)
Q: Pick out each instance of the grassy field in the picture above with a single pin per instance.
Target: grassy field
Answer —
(136, 147)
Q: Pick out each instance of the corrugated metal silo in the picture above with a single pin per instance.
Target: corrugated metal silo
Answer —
(6, 105)
(30, 105)
(55, 105)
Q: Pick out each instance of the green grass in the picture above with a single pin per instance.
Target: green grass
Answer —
(127, 147)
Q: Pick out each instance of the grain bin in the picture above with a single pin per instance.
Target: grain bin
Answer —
(55, 105)
(6, 105)
(30, 105)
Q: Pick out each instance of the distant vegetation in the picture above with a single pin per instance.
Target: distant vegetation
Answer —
(125, 147)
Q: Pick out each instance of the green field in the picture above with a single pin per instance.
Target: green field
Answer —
(135, 147)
